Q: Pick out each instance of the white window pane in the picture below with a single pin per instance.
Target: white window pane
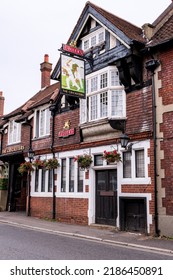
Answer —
(93, 107)
(86, 45)
(117, 103)
(114, 78)
(14, 132)
(127, 165)
(101, 37)
(103, 104)
(71, 175)
(18, 132)
(94, 82)
(48, 115)
(87, 86)
(83, 110)
(93, 41)
(103, 80)
(140, 166)
(42, 122)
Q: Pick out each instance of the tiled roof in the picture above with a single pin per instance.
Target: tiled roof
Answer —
(129, 29)
(40, 98)
(45, 96)
(162, 27)
(164, 34)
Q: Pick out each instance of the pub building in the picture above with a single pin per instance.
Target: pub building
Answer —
(99, 119)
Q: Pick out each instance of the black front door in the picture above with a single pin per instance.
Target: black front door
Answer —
(17, 189)
(133, 214)
(106, 197)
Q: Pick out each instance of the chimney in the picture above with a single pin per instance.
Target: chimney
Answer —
(1, 103)
(46, 68)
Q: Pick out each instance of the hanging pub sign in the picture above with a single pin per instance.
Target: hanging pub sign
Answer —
(72, 72)
(72, 49)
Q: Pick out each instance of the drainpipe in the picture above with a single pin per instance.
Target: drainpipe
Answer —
(29, 175)
(52, 144)
(28, 210)
(151, 66)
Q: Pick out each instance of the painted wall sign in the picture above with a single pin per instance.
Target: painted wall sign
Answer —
(67, 130)
(66, 133)
(72, 76)
(72, 50)
(13, 149)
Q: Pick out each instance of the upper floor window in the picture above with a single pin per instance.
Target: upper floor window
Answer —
(93, 39)
(14, 134)
(105, 96)
(42, 122)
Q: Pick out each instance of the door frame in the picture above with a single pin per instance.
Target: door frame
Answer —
(122, 201)
(116, 197)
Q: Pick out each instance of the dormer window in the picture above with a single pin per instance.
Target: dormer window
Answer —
(95, 38)
(14, 132)
(42, 122)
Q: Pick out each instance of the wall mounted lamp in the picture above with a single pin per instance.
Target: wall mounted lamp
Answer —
(124, 139)
(31, 154)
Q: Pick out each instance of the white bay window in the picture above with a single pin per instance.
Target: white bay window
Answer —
(105, 97)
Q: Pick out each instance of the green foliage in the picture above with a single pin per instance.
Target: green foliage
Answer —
(84, 161)
(3, 183)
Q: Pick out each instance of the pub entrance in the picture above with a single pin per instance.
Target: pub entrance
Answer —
(106, 197)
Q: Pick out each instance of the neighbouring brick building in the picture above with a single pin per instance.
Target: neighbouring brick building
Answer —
(128, 90)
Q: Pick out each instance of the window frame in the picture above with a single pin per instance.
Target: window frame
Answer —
(76, 192)
(42, 119)
(103, 82)
(143, 145)
(14, 138)
(87, 41)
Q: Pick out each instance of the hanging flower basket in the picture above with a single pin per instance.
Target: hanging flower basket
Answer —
(84, 161)
(25, 167)
(51, 163)
(38, 164)
(112, 156)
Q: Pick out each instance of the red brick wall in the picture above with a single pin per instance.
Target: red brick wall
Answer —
(166, 92)
(167, 162)
(60, 120)
(139, 111)
(41, 207)
(70, 210)
(165, 75)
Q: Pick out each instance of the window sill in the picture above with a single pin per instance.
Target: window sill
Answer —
(136, 181)
(40, 137)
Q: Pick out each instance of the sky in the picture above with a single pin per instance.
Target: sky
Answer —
(29, 29)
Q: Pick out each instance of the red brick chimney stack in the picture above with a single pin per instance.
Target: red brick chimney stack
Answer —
(46, 68)
(1, 103)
